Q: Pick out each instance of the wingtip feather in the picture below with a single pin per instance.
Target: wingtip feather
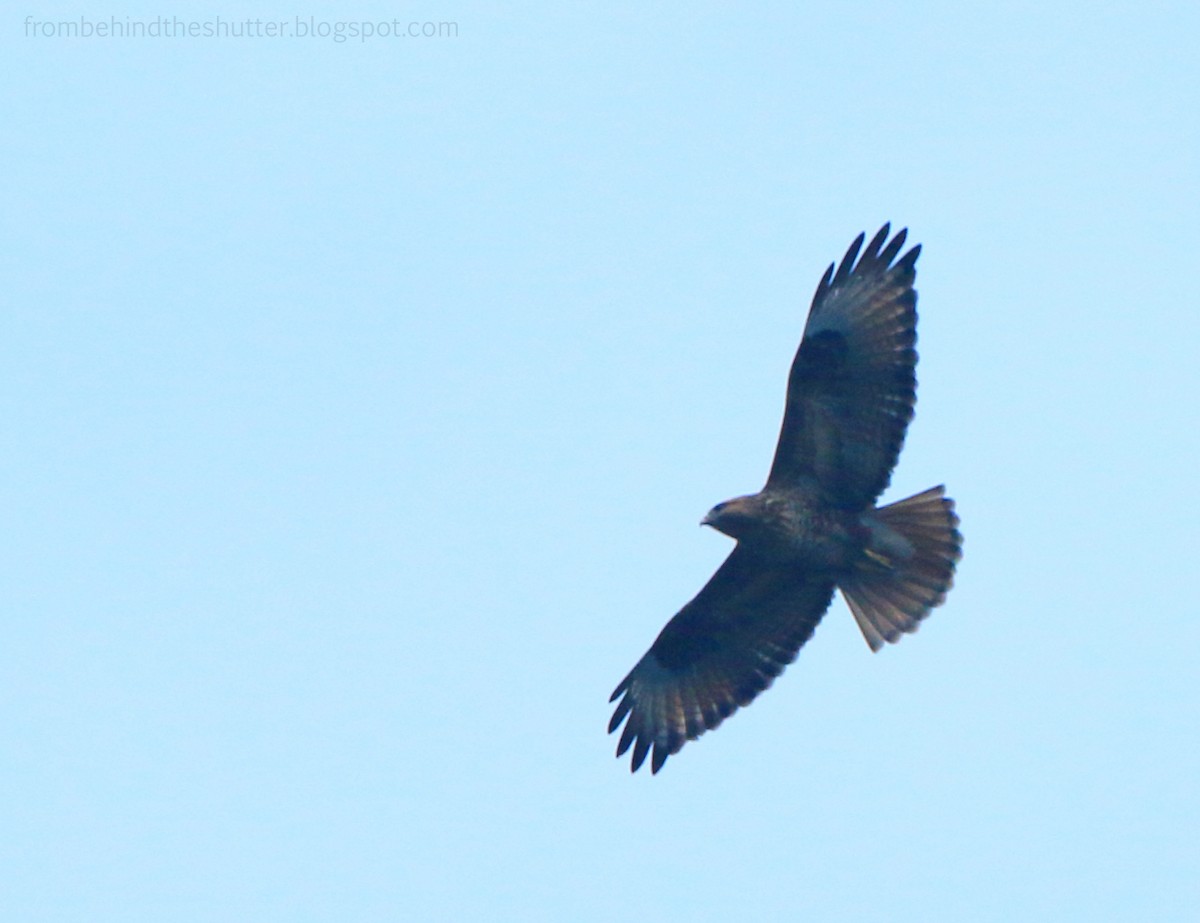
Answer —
(877, 242)
(889, 252)
(847, 265)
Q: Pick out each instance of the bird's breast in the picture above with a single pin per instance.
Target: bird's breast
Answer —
(814, 534)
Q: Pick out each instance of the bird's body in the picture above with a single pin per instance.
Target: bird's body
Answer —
(814, 526)
(793, 526)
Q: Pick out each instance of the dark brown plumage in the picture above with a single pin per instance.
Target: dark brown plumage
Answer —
(814, 526)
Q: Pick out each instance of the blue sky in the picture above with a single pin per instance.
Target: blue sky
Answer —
(362, 399)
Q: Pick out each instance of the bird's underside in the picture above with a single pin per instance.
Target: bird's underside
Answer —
(814, 526)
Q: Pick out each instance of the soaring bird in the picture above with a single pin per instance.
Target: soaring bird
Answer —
(814, 527)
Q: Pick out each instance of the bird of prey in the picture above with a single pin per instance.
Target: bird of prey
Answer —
(814, 527)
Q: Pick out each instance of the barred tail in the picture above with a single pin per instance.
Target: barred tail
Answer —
(907, 568)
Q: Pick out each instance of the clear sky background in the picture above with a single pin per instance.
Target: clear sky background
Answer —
(361, 400)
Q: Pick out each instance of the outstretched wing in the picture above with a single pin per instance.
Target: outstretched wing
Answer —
(723, 648)
(853, 383)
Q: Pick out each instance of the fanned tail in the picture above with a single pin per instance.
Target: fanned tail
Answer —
(908, 566)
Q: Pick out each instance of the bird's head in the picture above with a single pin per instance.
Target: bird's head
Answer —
(738, 518)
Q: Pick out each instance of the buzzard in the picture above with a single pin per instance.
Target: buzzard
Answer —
(814, 527)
